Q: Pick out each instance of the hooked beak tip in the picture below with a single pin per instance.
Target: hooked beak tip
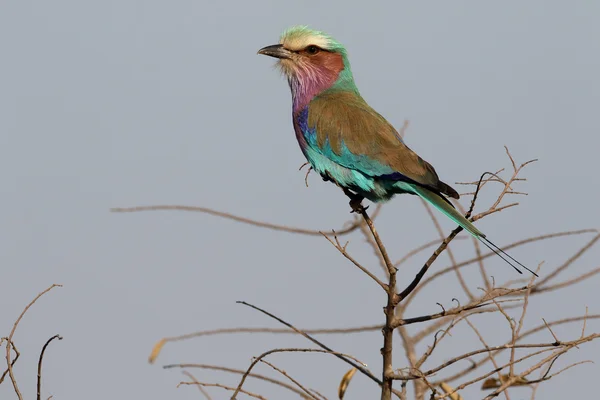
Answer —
(276, 51)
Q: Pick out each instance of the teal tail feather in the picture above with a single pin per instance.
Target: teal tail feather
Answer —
(444, 206)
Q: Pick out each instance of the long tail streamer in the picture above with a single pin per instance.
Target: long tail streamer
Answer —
(447, 209)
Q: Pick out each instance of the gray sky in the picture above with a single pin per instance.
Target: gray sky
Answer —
(122, 103)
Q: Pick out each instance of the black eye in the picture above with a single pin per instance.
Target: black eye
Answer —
(312, 49)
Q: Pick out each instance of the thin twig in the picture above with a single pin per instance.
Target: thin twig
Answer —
(12, 364)
(585, 318)
(200, 387)
(551, 332)
(477, 247)
(517, 331)
(238, 372)
(470, 261)
(484, 343)
(492, 372)
(569, 261)
(293, 350)
(342, 249)
(10, 339)
(513, 337)
(493, 177)
(431, 348)
(438, 227)
(420, 249)
(282, 372)
(219, 385)
(382, 249)
(361, 368)
(547, 377)
(482, 302)
(529, 332)
(507, 383)
(228, 331)
(39, 370)
(434, 327)
(494, 348)
(283, 228)
(369, 239)
(566, 283)
(407, 291)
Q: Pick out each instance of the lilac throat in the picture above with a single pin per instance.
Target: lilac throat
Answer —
(308, 83)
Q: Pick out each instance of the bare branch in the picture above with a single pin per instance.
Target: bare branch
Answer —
(550, 329)
(494, 348)
(10, 340)
(484, 343)
(389, 311)
(39, 370)
(226, 331)
(419, 249)
(482, 302)
(492, 211)
(342, 249)
(195, 381)
(361, 368)
(382, 249)
(585, 318)
(511, 159)
(530, 332)
(477, 247)
(12, 364)
(570, 261)
(438, 227)
(519, 243)
(547, 377)
(537, 366)
(238, 372)
(283, 228)
(219, 385)
(516, 331)
(371, 242)
(566, 283)
(431, 348)
(282, 372)
(408, 290)
(293, 350)
(493, 177)
(436, 325)
(480, 378)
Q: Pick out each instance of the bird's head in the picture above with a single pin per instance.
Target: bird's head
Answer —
(311, 60)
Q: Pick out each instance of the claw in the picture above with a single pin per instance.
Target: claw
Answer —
(355, 201)
(356, 205)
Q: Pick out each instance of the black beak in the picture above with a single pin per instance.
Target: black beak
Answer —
(277, 51)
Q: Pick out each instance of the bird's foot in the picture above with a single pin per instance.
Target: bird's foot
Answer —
(356, 205)
(355, 201)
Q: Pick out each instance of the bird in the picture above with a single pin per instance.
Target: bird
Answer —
(349, 143)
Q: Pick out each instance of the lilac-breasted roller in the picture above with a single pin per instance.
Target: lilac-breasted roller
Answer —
(345, 140)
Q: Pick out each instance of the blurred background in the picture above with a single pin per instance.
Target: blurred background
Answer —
(124, 103)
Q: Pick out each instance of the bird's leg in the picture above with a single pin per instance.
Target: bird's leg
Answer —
(356, 205)
(355, 201)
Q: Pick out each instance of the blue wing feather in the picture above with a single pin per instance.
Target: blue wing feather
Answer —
(359, 172)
